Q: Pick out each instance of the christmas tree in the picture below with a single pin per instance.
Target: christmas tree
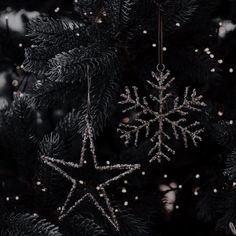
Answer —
(117, 117)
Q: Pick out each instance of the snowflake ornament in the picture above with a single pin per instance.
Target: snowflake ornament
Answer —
(175, 116)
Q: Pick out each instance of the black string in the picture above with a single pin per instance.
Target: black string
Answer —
(88, 95)
(160, 37)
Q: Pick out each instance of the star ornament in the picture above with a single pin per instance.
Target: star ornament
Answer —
(92, 182)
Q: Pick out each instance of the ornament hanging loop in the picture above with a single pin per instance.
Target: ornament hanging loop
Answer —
(160, 67)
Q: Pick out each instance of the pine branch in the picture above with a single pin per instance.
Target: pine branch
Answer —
(79, 225)
(210, 205)
(26, 224)
(73, 65)
(121, 14)
(52, 146)
(18, 130)
(178, 11)
(45, 31)
(102, 100)
(230, 168)
(51, 37)
(223, 132)
(88, 8)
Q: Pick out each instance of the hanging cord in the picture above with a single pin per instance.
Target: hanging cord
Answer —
(88, 95)
(160, 65)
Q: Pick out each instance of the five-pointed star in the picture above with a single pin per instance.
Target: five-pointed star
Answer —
(92, 187)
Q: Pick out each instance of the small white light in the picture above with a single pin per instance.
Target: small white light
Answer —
(85, 162)
(144, 31)
(35, 214)
(177, 24)
(44, 189)
(124, 190)
(231, 122)
(165, 176)
(57, 9)
(85, 13)
(7, 199)
(196, 193)
(101, 195)
(126, 203)
(20, 45)
(38, 183)
(220, 113)
(196, 50)
(143, 173)
(154, 45)
(215, 190)
(136, 198)
(212, 56)
(180, 186)
(164, 49)
(77, 34)
(213, 70)
(81, 182)
(125, 181)
(197, 176)
(220, 61)
(116, 210)
(177, 207)
(108, 162)
(99, 21)
(231, 70)
(17, 198)
(234, 184)
(90, 12)
(220, 23)
(206, 49)
(98, 188)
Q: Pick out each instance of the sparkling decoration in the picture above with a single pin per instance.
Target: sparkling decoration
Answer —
(161, 117)
(80, 189)
(197, 176)
(57, 9)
